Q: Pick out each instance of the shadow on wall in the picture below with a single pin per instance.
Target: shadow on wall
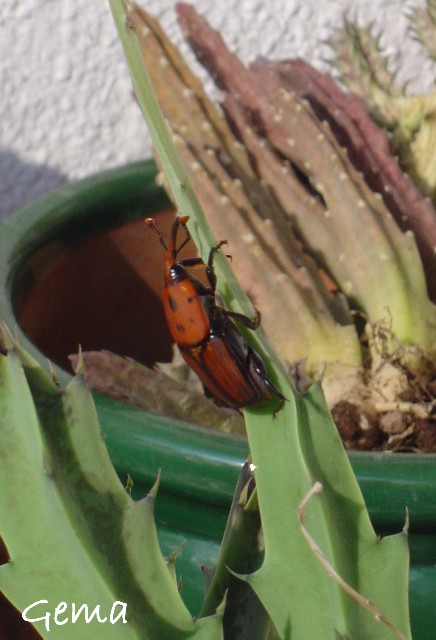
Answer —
(21, 182)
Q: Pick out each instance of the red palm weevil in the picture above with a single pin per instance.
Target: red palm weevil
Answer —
(230, 370)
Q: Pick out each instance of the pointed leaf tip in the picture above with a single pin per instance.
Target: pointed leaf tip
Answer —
(129, 484)
(6, 337)
(79, 365)
(154, 489)
(53, 372)
(172, 557)
(406, 523)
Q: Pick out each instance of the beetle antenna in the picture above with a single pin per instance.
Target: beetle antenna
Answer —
(150, 223)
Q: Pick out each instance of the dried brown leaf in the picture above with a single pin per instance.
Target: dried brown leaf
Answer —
(128, 381)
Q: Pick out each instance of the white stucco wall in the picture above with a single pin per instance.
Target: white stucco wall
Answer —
(66, 108)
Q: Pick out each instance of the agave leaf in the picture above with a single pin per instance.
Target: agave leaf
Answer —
(299, 446)
(47, 558)
(83, 527)
(241, 552)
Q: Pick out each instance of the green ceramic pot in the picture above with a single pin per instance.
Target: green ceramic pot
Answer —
(78, 265)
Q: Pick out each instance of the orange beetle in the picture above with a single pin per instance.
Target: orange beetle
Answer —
(230, 370)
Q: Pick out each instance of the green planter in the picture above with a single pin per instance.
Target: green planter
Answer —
(78, 265)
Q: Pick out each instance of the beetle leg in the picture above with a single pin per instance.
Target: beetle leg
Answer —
(250, 323)
(276, 392)
(210, 271)
(260, 370)
(190, 262)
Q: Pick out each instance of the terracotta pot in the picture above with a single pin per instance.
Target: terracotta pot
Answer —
(79, 266)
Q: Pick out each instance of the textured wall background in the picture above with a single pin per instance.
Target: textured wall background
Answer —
(66, 108)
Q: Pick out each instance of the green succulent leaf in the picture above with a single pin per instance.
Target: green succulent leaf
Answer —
(74, 534)
(290, 452)
(48, 560)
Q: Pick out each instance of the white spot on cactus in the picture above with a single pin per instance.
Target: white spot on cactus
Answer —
(342, 257)
(224, 199)
(248, 238)
(280, 278)
(307, 165)
(327, 213)
(347, 287)
(187, 92)
(319, 187)
(237, 183)
(298, 107)
(195, 166)
(163, 61)
(291, 142)
(206, 126)
(320, 137)
(364, 423)
(277, 117)
(343, 176)
(361, 204)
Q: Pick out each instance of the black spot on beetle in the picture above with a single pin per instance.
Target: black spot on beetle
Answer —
(172, 303)
(190, 299)
(180, 328)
